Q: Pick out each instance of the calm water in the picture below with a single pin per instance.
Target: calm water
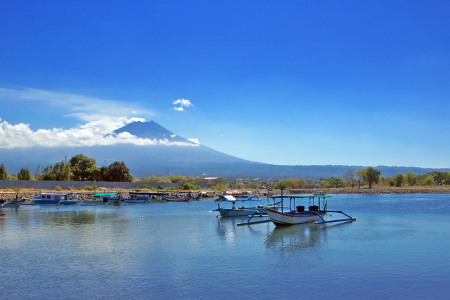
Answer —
(397, 249)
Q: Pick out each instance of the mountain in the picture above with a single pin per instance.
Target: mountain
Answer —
(150, 130)
(176, 156)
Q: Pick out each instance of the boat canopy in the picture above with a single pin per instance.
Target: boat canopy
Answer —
(230, 198)
(104, 194)
(299, 196)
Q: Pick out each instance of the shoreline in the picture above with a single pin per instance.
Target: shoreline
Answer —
(373, 191)
(27, 195)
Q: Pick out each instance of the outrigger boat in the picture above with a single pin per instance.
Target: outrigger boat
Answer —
(242, 211)
(55, 199)
(299, 215)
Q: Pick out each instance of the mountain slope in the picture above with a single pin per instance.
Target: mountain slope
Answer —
(185, 158)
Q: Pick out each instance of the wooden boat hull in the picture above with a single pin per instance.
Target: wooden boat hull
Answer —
(45, 202)
(292, 218)
(69, 202)
(238, 212)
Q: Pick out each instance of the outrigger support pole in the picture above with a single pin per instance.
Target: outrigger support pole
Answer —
(331, 221)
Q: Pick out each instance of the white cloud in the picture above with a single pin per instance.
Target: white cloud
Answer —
(173, 135)
(85, 108)
(194, 141)
(97, 133)
(182, 102)
(178, 108)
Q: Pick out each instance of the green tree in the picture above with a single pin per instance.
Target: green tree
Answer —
(399, 179)
(429, 181)
(83, 167)
(48, 177)
(372, 175)
(116, 172)
(189, 187)
(411, 178)
(335, 182)
(3, 173)
(24, 174)
(290, 183)
(360, 174)
(66, 172)
(324, 184)
(446, 178)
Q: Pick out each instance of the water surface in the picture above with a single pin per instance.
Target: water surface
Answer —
(398, 248)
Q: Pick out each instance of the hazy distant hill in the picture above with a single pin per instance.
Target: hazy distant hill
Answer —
(176, 160)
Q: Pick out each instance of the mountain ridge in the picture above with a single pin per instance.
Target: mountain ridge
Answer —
(185, 158)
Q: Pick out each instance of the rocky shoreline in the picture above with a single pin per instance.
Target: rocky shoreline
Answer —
(26, 197)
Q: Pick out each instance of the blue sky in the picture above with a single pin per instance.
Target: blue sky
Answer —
(282, 82)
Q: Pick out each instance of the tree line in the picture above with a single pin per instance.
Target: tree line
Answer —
(78, 168)
(372, 176)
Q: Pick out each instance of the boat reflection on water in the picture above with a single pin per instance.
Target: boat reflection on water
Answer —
(303, 236)
(226, 228)
(293, 238)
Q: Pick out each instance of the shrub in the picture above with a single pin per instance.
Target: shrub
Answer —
(411, 178)
(399, 180)
(88, 188)
(58, 188)
(142, 186)
(48, 176)
(189, 186)
(392, 182)
(429, 181)
(161, 187)
(219, 187)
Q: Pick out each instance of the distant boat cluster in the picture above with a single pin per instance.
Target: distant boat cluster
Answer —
(279, 212)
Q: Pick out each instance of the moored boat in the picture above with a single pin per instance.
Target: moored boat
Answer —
(241, 211)
(55, 199)
(298, 215)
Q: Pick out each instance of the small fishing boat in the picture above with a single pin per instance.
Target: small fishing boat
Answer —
(144, 196)
(185, 198)
(241, 211)
(55, 199)
(298, 215)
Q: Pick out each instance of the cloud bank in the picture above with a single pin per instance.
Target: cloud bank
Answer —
(100, 117)
(182, 103)
(97, 133)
